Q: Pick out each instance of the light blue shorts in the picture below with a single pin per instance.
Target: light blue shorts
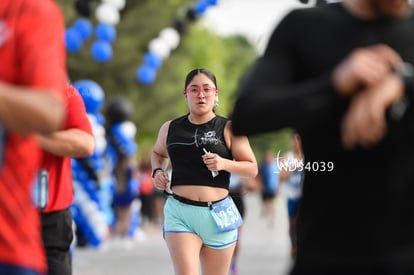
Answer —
(185, 218)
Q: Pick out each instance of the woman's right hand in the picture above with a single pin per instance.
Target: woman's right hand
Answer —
(161, 180)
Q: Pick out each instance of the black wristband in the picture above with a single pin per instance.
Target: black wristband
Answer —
(155, 171)
(406, 72)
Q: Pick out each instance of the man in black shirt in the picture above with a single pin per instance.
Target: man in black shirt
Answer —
(340, 74)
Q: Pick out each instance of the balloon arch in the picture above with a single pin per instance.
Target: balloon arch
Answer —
(108, 16)
(113, 129)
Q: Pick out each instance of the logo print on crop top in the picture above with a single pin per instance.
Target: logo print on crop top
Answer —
(209, 137)
(201, 139)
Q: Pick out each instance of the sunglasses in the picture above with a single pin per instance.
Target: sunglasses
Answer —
(194, 91)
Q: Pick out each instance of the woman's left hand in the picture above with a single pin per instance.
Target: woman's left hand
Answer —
(213, 161)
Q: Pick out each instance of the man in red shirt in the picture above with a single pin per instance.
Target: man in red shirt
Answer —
(32, 83)
(75, 140)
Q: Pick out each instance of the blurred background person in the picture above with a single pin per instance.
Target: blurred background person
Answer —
(146, 190)
(54, 186)
(237, 189)
(152, 199)
(32, 86)
(291, 167)
(349, 95)
(269, 179)
(120, 152)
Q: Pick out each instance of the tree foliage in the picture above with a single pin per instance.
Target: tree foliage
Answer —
(141, 21)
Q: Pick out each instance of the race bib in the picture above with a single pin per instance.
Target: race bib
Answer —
(226, 215)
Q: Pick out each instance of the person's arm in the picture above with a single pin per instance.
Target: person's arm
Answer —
(275, 93)
(365, 123)
(72, 143)
(244, 162)
(76, 139)
(27, 110)
(159, 158)
(272, 95)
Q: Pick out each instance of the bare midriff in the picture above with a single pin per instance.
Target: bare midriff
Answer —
(200, 193)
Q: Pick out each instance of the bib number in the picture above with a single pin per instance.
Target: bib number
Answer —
(226, 215)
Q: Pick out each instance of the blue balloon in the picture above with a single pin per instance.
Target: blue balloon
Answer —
(105, 32)
(73, 40)
(145, 74)
(201, 7)
(92, 93)
(153, 60)
(212, 2)
(85, 226)
(101, 51)
(124, 143)
(84, 27)
(100, 119)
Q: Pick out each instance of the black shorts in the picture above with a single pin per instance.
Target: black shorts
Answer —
(239, 202)
(57, 233)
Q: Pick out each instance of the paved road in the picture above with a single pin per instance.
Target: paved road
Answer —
(264, 249)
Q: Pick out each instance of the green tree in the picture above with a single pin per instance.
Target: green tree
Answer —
(141, 21)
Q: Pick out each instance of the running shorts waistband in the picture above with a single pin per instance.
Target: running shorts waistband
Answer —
(192, 202)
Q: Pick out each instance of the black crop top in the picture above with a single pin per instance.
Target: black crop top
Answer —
(185, 143)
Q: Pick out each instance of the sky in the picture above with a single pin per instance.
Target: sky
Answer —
(255, 19)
